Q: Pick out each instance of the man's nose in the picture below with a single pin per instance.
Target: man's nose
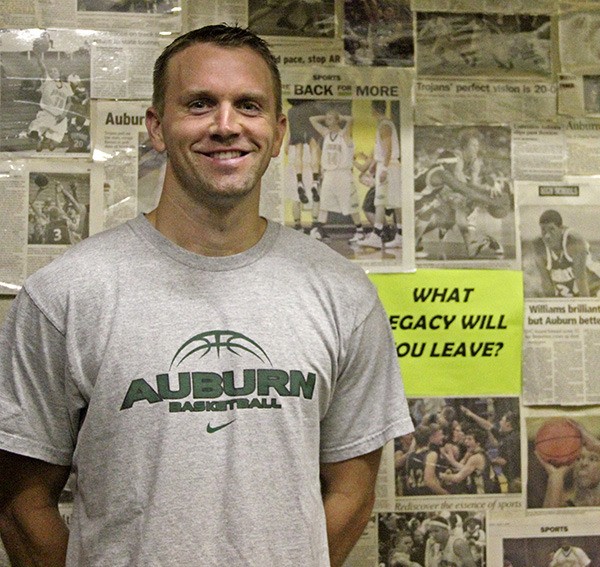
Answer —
(226, 121)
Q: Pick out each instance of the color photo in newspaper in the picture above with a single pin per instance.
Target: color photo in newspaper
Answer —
(463, 450)
(348, 162)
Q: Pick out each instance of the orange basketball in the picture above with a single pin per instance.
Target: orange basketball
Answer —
(558, 442)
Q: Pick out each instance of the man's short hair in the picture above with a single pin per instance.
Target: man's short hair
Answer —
(479, 435)
(221, 35)
(421, 434)
(551, 217)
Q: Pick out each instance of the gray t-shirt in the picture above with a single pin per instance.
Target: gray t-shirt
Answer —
(196, 396)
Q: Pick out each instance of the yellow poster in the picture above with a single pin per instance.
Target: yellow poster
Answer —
(457, 332)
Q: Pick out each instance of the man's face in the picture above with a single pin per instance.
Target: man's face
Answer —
(458, 435)
(54, 73)
(551, 234)
(470, 442)
(219, 124)
(437, 437)
(587, 469)
(439, 534)
(332, 119)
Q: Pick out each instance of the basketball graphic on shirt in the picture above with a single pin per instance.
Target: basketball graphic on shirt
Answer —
(219, 341)
(558, 442)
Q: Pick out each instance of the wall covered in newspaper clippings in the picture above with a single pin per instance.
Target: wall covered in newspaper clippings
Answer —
(494, 108)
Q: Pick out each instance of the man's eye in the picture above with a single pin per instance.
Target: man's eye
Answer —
(249, 106)
(202, 104)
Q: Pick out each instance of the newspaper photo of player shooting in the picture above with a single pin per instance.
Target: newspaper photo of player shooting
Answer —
(44, 93)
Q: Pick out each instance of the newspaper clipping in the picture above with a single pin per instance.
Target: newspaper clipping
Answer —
(561, 273)
(543, 539)
(464, 211)
(348, 162)
(47, 204)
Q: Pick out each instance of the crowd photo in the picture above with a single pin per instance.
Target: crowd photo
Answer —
(461, 446)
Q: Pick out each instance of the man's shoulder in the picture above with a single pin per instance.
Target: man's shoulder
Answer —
(574, 239)
(89, 260)
(304, 252)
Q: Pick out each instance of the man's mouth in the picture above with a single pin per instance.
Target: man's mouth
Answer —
(230, 154)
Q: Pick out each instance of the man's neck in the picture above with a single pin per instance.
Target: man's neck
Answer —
(206, 231)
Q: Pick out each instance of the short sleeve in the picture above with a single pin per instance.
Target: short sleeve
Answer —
(368, 406)
(35, 419)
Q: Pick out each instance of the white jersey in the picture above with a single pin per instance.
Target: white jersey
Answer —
(337, 152)
(55, 96)
(379, 151)
(573, 557)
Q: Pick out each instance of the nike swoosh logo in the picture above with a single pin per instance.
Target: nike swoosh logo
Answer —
(210, 429)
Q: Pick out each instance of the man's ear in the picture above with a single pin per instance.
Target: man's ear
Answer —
(280, 128)
(154, 127)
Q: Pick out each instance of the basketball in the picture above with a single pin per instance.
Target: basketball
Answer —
(40, 180)
(558, 442)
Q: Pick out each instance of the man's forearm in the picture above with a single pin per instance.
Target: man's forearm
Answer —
(34, 539)
(346, 518)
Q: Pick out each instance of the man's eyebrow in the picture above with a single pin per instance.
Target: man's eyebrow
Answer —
(209, 94)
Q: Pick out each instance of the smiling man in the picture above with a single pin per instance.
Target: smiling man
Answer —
(219, 386)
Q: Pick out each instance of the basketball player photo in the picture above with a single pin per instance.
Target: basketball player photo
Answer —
(563, 453)
(44, 93)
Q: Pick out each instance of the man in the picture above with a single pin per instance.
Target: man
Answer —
(476, 469)
(444, 548)
(400, 556)
(505, 437)
(338, 192)
(421, 465)
(569, 556)
(158, 362)
(49, 126)
(475, 536)
(388, 193)
(563, 260)
(301, 133)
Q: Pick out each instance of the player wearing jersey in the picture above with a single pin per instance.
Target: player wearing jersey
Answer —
(338, 191)
(475, 536)
(442, 201)
(50, 124)
(414, 465)
(421, 467)
(57, 229)
(569, 556)
(388, 193)
(564, 261)
(444, 548)
(476, 470)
